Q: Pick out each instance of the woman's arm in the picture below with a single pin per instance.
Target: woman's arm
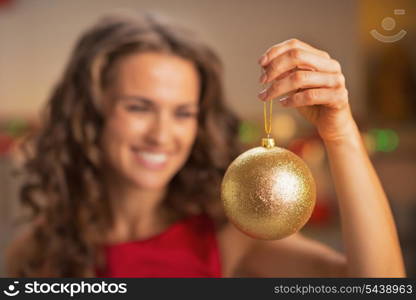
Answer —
(369, 233)
(312, 82)
(294, 256)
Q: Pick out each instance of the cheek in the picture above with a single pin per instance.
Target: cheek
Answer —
(187, 133)
(120, 131)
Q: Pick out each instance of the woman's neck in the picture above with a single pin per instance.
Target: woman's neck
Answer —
(138, 213)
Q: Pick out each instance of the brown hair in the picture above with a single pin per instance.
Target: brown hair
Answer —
(64, 189)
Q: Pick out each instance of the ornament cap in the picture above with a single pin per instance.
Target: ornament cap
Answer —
(268, 142)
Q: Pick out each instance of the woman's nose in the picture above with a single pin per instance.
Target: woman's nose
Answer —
(160, 130)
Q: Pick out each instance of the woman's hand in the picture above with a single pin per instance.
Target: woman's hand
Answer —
(314, 84)
(309, 80)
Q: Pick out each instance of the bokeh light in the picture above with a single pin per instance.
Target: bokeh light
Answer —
(381, 140)
(283, 127)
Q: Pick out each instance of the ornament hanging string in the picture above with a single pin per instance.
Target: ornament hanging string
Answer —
(268, 122)
(268, 192)
(255, 192)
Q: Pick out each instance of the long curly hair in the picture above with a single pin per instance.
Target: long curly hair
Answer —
(63, 186)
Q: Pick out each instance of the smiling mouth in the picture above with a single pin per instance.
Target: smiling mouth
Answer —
(151, 160)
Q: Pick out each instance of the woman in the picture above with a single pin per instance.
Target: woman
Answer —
(124, 177)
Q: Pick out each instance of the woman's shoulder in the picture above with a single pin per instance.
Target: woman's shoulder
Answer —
(18, 248)
(22, 245)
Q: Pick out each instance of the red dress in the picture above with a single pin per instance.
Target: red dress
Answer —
(188, 248)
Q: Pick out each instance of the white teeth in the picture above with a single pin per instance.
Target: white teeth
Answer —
(153, 157)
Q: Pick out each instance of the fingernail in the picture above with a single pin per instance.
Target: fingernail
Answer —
(263, 78)
(263, 94)
(283, 101)
(263, 60)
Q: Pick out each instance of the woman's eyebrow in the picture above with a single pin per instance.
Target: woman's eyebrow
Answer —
(190, 105)
(148, 101)
(137, 98)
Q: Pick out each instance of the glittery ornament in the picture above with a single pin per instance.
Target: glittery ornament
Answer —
(268, 192)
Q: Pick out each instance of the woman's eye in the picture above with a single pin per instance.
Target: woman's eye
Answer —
(186, 114)
(137, 108)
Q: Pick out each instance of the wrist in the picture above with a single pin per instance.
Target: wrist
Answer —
(349, 134)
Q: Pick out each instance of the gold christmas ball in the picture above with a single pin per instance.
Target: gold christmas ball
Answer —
(268, 192)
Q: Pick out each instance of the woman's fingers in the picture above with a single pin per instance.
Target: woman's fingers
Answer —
(280, 48)
(335, 98)
(301, 80)
(301, 75)
(298, 58)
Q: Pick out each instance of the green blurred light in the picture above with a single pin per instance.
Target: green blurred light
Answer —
(248, 132)
(382, 140)
(386, 140)
(16, 127)
(393, 138)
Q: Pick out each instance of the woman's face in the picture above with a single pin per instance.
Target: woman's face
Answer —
(151, 118)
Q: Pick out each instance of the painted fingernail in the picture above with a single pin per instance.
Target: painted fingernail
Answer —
(263, 60)
(263, 78)
(263, 94)
(284, 101)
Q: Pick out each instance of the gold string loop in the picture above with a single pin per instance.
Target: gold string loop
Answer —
(268, 123)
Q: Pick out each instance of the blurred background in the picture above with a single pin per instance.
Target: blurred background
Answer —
(374, 40)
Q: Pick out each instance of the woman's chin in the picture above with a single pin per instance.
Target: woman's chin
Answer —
(150, 183)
